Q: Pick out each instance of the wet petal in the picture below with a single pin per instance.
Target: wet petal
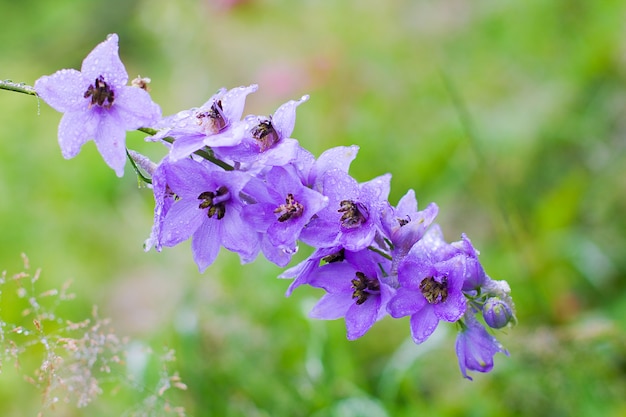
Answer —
(64, 90)
(423, 324)
(360, 318)
(104, 61)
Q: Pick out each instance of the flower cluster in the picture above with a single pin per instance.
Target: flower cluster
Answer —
(243, 183)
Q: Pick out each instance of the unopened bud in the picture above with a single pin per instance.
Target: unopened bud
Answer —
(497, 313)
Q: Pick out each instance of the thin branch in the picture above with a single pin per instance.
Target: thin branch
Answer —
(17, 87)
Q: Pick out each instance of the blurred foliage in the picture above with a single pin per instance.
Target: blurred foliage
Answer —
(509, 115)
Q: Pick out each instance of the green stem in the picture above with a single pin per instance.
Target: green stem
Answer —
(17, 87)
(205, 153)
(380, 252)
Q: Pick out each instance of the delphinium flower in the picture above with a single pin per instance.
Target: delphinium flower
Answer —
(207, 206)
(356, 288)
(351, 219)
(215, 123)
(338, 158)
(404, 226)
(97, 104)
(475, 347)
(282, 206)
(431, 278)
(265, 141)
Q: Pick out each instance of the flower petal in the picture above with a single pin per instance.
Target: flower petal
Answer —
(110, 138)
(423, 324)
(75, 129)
(331, 307)
(104, 61)
(453, 308)
(405, 303)
(64, 90)
(136, 108)
(205, 245)
(181, 222)
(360, 318)
(284, 119)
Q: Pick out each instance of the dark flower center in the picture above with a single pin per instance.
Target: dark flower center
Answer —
(213, 118)
(265, 134)
(215, 202)
(354, 214)
(101, 94)
(364, 287)
(405, 221)
(338, 256)
(434, 291)
(290, 210)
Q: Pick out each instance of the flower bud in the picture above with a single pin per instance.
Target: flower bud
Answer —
(497, 313)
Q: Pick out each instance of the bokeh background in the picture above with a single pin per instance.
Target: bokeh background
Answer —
(510, 115)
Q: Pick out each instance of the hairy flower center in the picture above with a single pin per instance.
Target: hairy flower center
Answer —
(215, 202)
(101, 94)
(354, 214)
(265, 134)
(213, 119)
(364, 287)
(338, 256)
(290, 210)
(434, 291)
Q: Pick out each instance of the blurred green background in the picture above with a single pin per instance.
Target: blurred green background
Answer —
(533, 170)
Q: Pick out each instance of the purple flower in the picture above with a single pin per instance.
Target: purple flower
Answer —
(475, 347)
(351, 219)
(213, 124)
(303, 271)
(356, 290)
(207, 207)
(97, 104)
(265, 140)
(338, 158)
(430, 289)
(404, 225)
(282, 206)
(475, 276)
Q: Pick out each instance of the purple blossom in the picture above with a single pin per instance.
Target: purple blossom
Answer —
(351, 219)
(215, 123)
(338, 158)
(303, 271)
(475, 347)
(265, 141)
(475, 276)
(97, 104)
(430, 288)
(207, 207)
(282, 206)
(404, 225)
(356, 290)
